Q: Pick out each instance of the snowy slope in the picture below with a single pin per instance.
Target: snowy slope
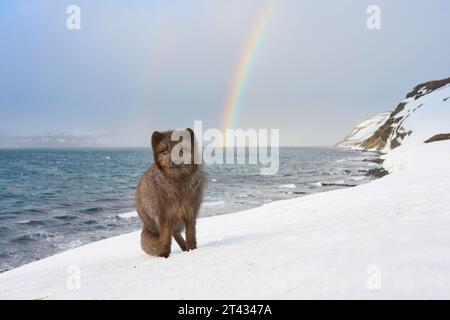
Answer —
(422, 119)
(385, 239)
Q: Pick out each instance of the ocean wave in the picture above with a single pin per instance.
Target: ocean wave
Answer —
(23, 222)
(4, 230)
(128, 215)
(288, 186)
(70, 245)
(213, 203)
(32, 222)
(351, 159)
(66, 217)
(359, 178)
(7, 216)
(32, 237)
(242, 195)
(90, 222)
(92, 210)
(316, 184)
(334, 182)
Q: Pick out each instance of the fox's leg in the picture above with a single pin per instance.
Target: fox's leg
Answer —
(165, 240)
(191, 242)
(149, 242)
(179, 239)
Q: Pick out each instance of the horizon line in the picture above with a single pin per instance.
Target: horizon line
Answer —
(143, 147)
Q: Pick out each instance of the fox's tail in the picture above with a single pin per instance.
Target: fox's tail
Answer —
(150, 242)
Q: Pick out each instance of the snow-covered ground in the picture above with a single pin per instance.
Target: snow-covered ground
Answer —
(386, 239)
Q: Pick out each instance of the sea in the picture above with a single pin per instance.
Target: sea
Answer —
(52, 200)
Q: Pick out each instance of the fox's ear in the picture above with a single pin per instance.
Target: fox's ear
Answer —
(156, 138)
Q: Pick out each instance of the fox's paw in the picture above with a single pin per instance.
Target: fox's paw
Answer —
(191, 246)
(164, 254)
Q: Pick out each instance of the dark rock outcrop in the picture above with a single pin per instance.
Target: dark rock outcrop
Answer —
(438, 137)
(375, 172)
(427, 87)
(392, 133)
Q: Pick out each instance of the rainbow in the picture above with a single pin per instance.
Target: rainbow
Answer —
(238, 85)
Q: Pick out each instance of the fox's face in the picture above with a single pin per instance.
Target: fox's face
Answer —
(173, 151)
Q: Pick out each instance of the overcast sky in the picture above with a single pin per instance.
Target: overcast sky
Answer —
(139, 66)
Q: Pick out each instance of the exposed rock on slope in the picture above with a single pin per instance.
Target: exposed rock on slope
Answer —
(427, 87)
(363, 131)
(438, 137)
(394, 127)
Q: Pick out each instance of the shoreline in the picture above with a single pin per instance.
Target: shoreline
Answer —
(293, 191)
(133, 213)
(51, 231)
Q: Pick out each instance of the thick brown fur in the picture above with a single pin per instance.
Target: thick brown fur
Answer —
(168, 198)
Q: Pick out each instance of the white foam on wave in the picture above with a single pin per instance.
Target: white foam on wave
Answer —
(242, 195)
(288, 186)
(357, 178)
(336, 182)
(351, 159)
(128, 215)
(316, 184)
(70, 245)
(213, 203)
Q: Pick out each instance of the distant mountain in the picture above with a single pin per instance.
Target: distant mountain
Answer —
(364, 131)
(56, 140)
(425, 114)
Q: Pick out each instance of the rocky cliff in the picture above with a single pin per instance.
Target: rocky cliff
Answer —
(388, 130)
